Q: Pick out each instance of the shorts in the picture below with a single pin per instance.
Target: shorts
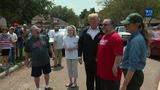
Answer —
(5, 52)
(37, 71)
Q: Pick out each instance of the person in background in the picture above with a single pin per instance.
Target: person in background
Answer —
(5, 46)
(26, 32)
(71, 55)
(109, 56)
(58, 46)
(19, 43)
(38, 46)
(11, 58)
(136, 52)
(87, 44)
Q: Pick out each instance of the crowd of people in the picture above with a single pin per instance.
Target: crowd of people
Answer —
(100, 48)
(12, 42)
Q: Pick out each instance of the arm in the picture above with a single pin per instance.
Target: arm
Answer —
(51, 48)
(26, 58)
(134, 61)
(80, 48)
(128, 78)
(118, 52)
(116, 64)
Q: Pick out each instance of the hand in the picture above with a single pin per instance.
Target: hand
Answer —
(114, 71)
(80, 60)
(123, 88)
(27, 62)
(69, 49)
(53, 56)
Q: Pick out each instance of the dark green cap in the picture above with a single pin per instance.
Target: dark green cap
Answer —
(132, 18)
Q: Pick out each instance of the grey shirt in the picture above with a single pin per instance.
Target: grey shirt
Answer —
(38, 47)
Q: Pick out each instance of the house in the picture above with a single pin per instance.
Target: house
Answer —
(48, 22)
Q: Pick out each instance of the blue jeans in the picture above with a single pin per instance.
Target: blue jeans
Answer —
(11, 56)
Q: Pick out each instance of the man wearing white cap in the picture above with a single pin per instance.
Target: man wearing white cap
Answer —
(38, 46)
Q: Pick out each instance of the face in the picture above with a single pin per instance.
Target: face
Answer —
(132, 27)
(5, 30)
(107, 27)
(70, 31)
(11, 30)
(93, 21)
(34, 32)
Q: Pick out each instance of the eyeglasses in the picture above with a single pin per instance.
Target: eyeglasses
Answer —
(127, 24)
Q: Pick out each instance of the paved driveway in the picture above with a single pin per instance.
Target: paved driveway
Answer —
(21, 79)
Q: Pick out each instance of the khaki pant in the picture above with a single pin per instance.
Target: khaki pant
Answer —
(58, 57)
(72, 65)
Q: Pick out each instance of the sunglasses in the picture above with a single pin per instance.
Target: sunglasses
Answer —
(105, 24)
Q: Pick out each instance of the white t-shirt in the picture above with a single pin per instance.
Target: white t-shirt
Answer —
(51, 35)
(58, 40)
(71, 42)
(13, 38)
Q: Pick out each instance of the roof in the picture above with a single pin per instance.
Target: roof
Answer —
(153, 21)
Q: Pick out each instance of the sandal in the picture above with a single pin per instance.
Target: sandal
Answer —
(73, 85)
(68, 85)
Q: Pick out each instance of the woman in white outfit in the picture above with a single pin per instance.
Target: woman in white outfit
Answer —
(71, 55)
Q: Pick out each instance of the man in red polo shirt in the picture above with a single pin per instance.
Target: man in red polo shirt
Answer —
(109, 55)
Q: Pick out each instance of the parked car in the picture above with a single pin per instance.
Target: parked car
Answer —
(123, 33)
(155, 42)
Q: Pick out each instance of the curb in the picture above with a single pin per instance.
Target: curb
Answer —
(11, 69)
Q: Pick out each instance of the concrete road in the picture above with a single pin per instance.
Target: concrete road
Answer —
(21, 79)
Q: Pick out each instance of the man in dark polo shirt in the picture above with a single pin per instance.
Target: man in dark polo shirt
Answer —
(38, 47)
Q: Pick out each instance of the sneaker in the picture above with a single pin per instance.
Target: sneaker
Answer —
(49, 88)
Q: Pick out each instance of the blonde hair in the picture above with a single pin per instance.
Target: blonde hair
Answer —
(74, 29)
(95, 15)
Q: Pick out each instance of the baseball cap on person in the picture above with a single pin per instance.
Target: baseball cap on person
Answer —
(132, 18)
(11, 28)
(34, 27)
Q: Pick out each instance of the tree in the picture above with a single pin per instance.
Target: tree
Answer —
(23, 10)
(119, 9)
(84, 15)
(65, 14)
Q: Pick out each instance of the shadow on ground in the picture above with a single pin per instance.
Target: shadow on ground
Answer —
(156, 58)
(76, 88)
(57, 68)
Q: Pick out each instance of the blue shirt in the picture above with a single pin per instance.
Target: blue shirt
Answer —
(136, 53)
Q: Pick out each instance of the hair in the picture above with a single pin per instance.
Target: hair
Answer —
(74, 28)
(145, 34)
(93, 15)
(111, 22)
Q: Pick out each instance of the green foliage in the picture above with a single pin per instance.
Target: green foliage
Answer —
(84, 15)
(65, 14)
(23, 10)
(119, 9)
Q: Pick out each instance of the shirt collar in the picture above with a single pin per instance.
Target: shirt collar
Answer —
(135, 33)
(93, 29)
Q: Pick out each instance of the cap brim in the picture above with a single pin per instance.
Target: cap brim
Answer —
(125, 22)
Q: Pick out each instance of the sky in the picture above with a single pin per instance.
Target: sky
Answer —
(78, 5)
